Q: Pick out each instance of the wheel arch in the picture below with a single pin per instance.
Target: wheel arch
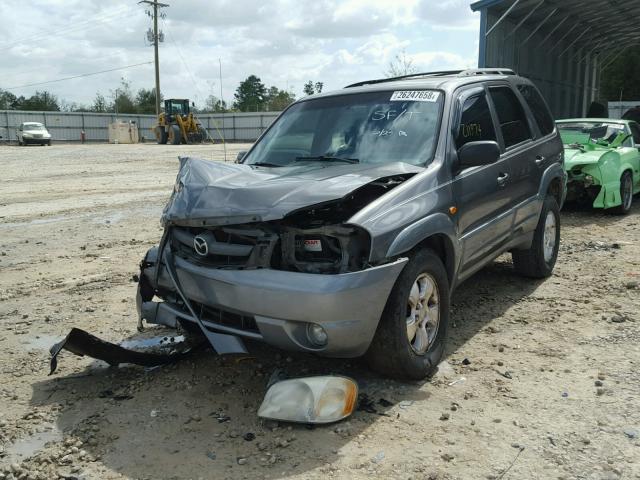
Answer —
(626, 168)
(555, 189)
(436, 232)
(443, 246)
(554, 181)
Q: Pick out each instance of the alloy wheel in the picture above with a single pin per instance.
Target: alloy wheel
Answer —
(423, 313)
(549, 237)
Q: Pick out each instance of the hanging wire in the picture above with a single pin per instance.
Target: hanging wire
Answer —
(195, 85)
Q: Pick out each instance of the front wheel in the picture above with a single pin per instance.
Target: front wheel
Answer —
(626, 194)
(174, 135)
(539, 260)
(410, 338)
(161, 134)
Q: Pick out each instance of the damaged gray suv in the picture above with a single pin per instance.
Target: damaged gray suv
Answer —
(346, 227)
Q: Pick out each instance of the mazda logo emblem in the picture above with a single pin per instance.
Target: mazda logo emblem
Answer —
(200, 246)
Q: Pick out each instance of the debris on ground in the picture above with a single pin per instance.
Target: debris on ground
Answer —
(83, 343)
(565, 345)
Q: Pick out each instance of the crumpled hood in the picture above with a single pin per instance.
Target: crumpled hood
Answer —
(574, 157)
(236, 193)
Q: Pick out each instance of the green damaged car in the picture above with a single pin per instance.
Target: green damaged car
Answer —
(602, 160)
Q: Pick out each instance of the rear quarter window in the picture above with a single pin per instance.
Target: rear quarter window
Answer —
(538, 108)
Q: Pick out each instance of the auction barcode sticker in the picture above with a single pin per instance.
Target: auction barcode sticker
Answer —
(415, 96)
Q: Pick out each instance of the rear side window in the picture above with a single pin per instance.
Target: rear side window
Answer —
(538, 108)
(513, 121)
(475, 122)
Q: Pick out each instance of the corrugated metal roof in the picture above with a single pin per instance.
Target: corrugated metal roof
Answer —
(608, 21)
(475, 6)
(562, 45)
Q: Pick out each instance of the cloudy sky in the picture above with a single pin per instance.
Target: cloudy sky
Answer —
(284, 42)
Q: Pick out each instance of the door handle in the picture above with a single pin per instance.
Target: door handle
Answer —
(540, 160)
(502, 179)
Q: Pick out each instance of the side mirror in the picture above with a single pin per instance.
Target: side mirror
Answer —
(240, 156)
(474, 154)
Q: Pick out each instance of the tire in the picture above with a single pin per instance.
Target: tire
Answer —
(626, 194)
(49, 143)
(161, 135)
(174, 135)
(393, 352)
(20, 143)
(539, 260)
(202, 134)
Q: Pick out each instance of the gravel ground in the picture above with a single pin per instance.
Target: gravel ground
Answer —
(541, 379)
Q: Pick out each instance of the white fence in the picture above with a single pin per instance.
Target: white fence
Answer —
(66, 126)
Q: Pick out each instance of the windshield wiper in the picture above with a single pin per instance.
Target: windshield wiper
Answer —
(324, 158)
(265, 164)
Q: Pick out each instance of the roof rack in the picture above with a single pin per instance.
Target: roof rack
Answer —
(403, 77)
(487, 71)
(443, 73)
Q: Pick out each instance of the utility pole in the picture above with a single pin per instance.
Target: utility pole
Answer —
(157, 38)
(115, 104)
(220, 72)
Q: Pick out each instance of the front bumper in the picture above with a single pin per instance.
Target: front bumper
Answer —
(35, 141)
(590, 184)
(271, 305)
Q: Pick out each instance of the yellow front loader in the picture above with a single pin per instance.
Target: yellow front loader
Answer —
(177, 124)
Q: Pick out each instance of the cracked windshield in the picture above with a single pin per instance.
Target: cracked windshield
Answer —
(377, 127)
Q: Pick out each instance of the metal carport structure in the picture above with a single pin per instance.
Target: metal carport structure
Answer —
(562, 45)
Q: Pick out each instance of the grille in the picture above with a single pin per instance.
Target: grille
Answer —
(226, 248)
(226, 318)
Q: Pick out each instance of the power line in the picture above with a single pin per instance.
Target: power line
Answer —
(78, 76)
(19, 76)
(186, 66)
(69, 29)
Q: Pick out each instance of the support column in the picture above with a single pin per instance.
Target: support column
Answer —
(576, 91)
(586, 86)
(594, 79)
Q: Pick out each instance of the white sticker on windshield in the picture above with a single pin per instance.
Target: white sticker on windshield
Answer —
(415, 96)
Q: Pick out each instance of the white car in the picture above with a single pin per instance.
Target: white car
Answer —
(33, 132)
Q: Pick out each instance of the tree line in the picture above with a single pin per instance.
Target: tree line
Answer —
(252, 95)
(619, 81)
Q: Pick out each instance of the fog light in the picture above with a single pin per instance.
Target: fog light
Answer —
(316, 334)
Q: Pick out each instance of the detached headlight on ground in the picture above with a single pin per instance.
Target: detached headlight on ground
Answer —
(323, 399)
